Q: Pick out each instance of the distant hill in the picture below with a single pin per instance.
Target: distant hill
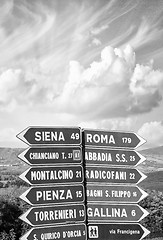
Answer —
(153, 151)
(6, 153)
(154, 158)
(152, 166)
(154, 181)
(8, 156)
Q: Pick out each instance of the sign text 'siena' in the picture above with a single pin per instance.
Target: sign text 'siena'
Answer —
(49, 136)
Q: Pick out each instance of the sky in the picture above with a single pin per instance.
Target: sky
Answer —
(89, 63)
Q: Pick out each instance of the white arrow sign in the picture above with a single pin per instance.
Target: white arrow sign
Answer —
(76, 231)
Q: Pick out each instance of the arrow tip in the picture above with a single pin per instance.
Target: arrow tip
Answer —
(143, 176)
(141, 140)
(24, 218)
(146, 232)
(144, 194)
(23, 196)
(142, 158)
(22, 157)
(21, 136)
(23, 176)
(145, 213)
(25, 236)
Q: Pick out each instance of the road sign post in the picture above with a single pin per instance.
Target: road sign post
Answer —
(56, 158)
(53, 175)
(39, 156)
(111, 181)
(116, 157)
(36, 136)
(59, 175)
(110, 175)
(62, 232)
(115, 212)
(47, 195)
(118, 231)
(102, 138)
(54, 214)
(114, 193)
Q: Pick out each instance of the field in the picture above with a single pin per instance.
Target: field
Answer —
(154, 181)
(161, 238)
(11, 187)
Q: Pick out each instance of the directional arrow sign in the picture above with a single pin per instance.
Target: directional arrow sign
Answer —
(113, 175)
(102, 138)
(116, 157)
(52, 155)
(114, 193)
(62, 232)
(48, 175)
(53, 194)
(118, 231)
(51, 136)
(115, 212)
(39, 216)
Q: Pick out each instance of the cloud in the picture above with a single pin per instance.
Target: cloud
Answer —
(97, 31)
(21, 33)
(8, 82)
(9, 85)
(21, 88)
(93, 90)
(123, 124)
(96, 42)
(153, 133)
(148, 31)
(115, 86)
(8, 135)
(146, 87)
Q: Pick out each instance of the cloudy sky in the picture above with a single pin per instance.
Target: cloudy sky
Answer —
(87, 63)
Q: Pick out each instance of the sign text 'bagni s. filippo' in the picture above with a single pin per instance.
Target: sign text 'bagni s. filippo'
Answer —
(114, 193)
(82, 176)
